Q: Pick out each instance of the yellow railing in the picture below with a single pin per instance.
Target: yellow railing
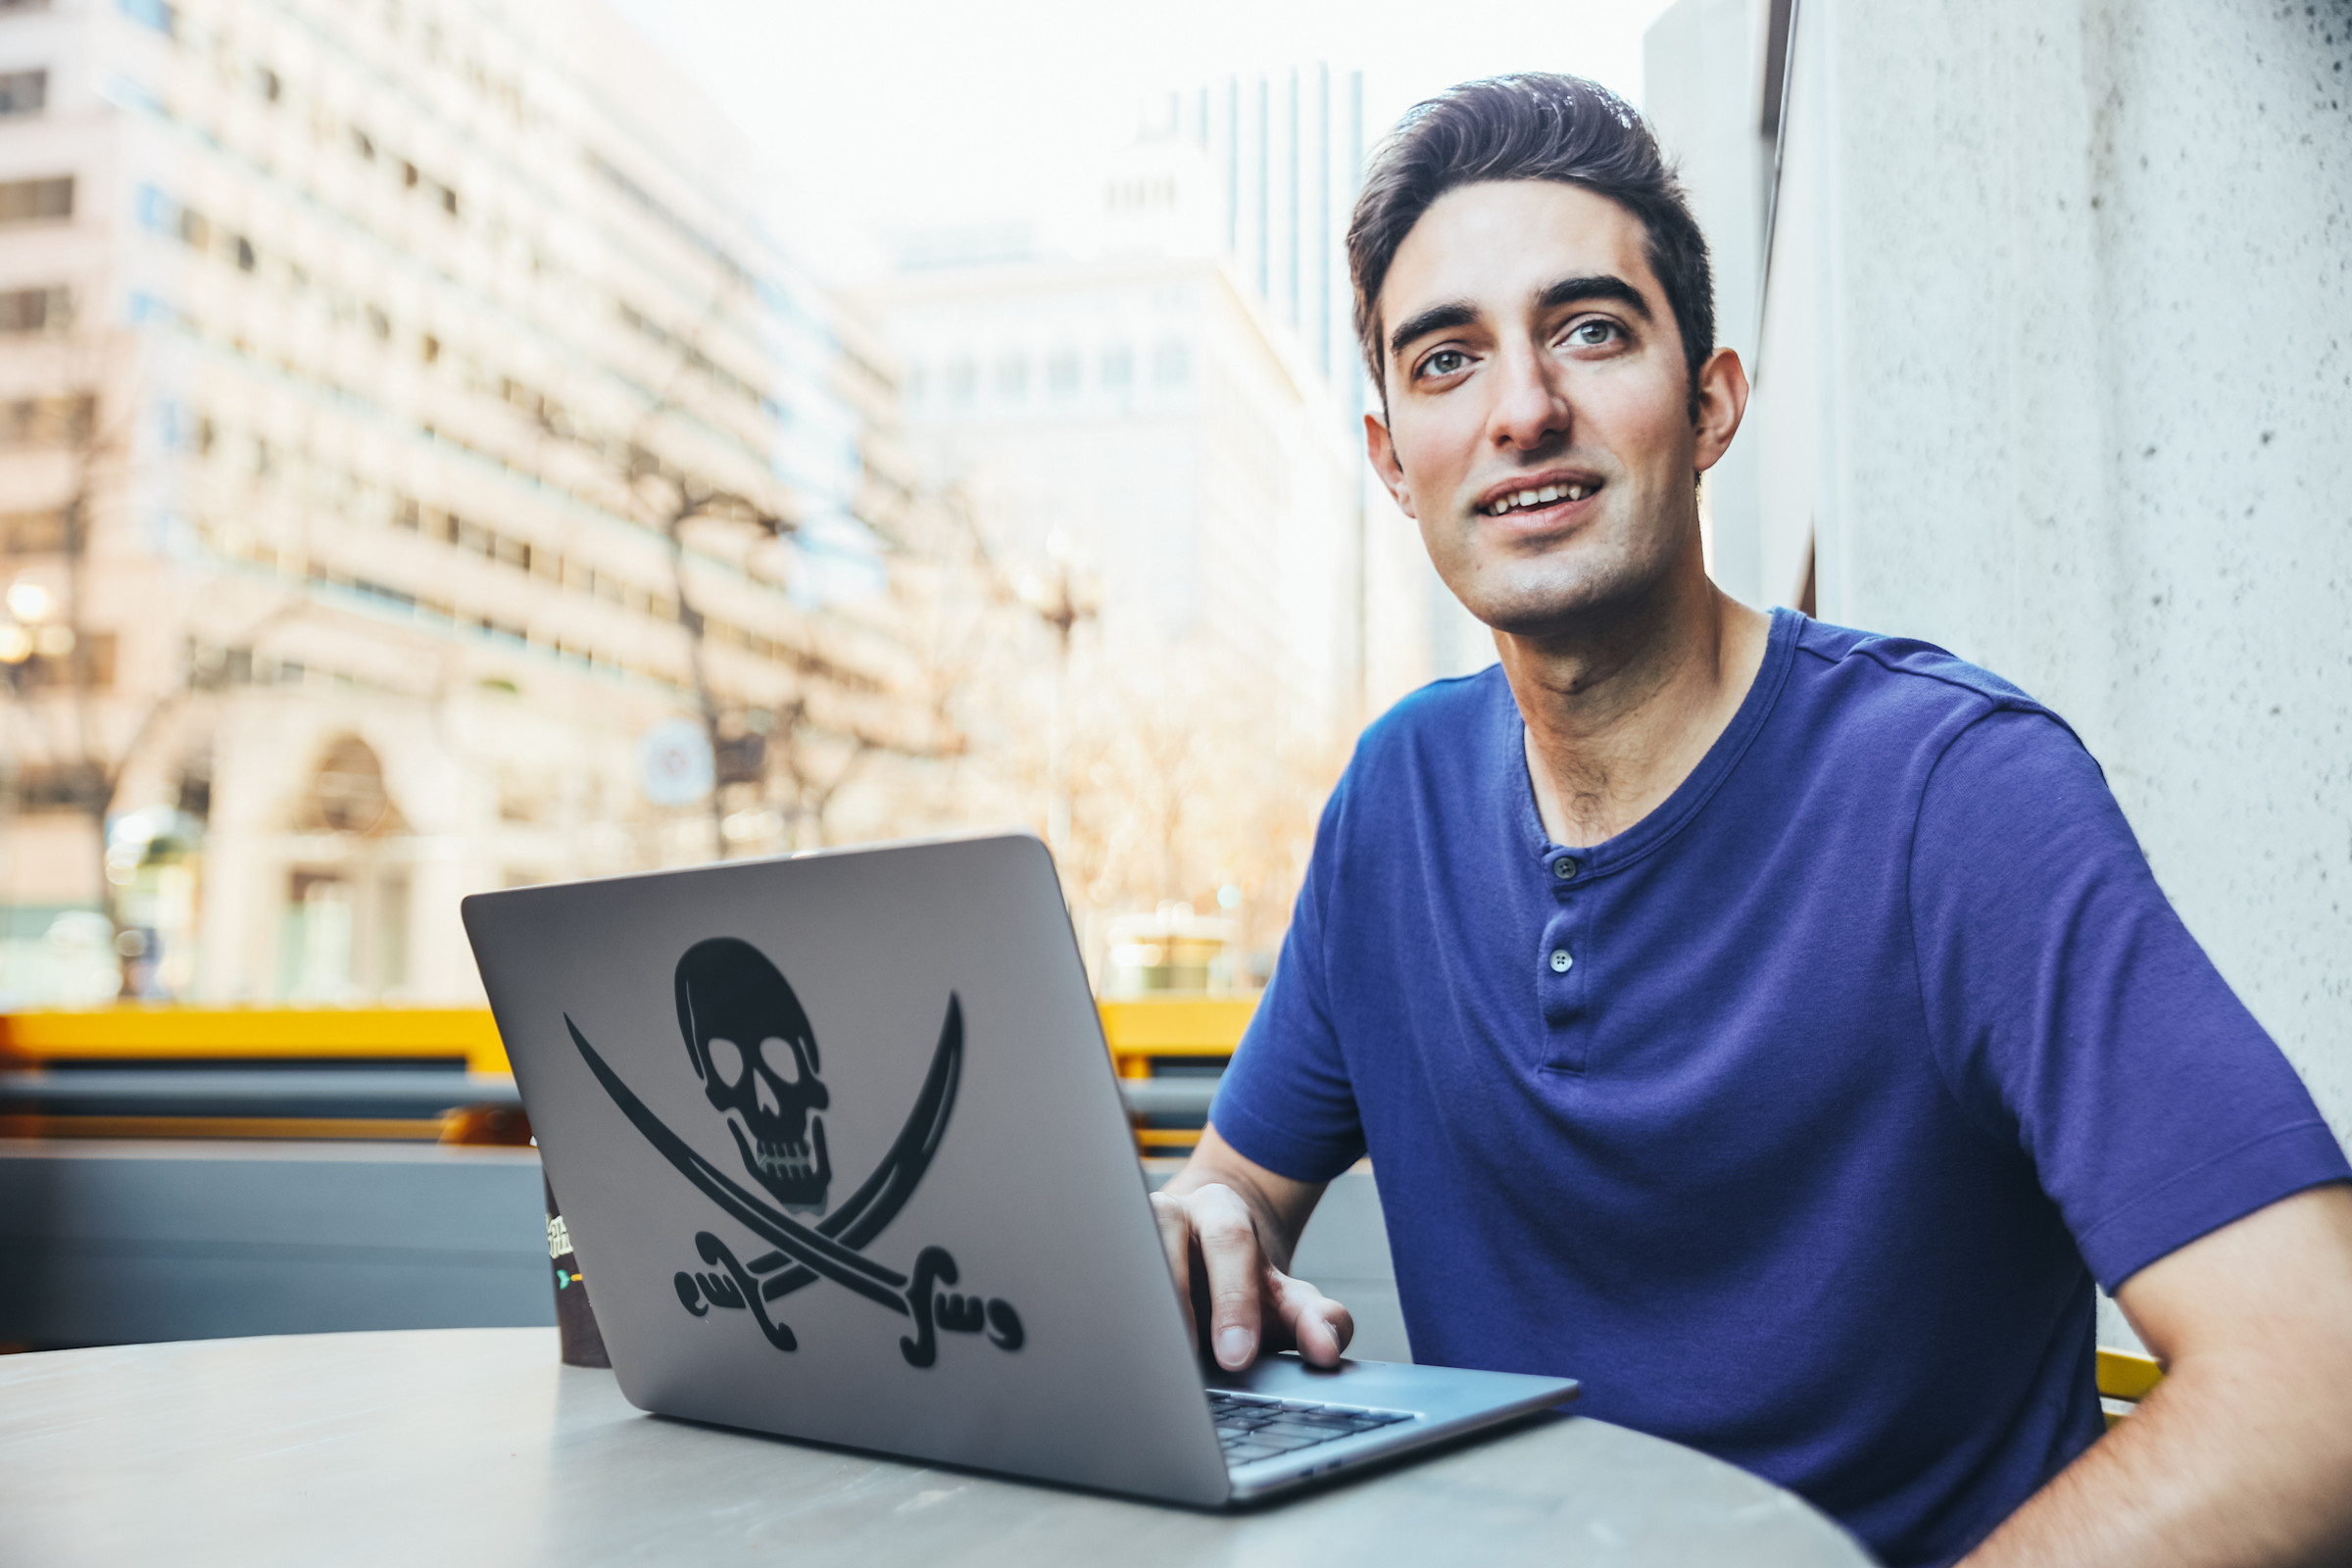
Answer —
(1173, 1026)
(1205, 1028)
(256, 1034)
(1137, 1031)
(2128, 1377)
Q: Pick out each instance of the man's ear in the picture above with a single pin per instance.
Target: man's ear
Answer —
(1384, 463)
(1722, 399)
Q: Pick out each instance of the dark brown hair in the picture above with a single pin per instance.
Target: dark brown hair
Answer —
(1534, 126)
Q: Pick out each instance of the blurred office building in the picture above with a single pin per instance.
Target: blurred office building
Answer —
(1176, 404)
(1157, 477)
(407, 421)
(1134, 418)
(1285, 155)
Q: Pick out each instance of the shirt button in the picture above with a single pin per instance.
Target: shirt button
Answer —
(1560, 960)
(1564, 868)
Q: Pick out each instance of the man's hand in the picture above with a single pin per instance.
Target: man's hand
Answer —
(1229, 1225)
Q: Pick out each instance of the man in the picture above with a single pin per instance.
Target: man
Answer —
(1775, 1026)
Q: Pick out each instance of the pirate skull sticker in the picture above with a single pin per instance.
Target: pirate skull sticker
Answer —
(756, 1057)
(754, 1050)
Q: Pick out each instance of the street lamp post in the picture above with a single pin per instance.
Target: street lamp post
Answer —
(1061, 604)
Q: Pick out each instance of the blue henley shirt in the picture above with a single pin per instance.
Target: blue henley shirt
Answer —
(1797, 1119)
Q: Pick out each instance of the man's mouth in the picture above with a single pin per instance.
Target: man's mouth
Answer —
(1537, 497)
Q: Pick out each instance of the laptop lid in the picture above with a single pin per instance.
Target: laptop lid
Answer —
(843, 1157)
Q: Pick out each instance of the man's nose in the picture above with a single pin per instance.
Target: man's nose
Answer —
(1530, 410)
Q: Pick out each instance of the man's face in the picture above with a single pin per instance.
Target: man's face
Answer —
(1529, 349)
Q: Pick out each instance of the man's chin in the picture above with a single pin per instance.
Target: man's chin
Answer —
(1573, 591)
(1547, 607)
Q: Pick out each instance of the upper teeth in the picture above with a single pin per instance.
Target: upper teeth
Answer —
(1537, 498)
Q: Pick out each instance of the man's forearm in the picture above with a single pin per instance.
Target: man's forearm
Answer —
(2243, 1453)
(2204, 1471)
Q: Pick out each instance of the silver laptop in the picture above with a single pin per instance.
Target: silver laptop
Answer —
(843, 1157)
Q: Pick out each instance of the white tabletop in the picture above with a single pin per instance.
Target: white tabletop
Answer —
(475, 1445)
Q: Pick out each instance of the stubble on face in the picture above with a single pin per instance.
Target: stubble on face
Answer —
(1533, 363)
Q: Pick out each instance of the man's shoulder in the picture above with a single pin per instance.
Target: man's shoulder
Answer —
(1920, 669)
(1446, 740)
(1913, 687)
(1443, 714)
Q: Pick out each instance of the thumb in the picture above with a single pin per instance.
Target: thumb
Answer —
(1319, 1326)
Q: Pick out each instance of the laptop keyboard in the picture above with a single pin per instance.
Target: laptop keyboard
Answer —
(1252, 1427)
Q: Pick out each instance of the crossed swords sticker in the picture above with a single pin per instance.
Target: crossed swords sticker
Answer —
(756, 1057)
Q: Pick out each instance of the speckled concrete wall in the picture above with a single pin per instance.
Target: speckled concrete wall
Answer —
(2058, 364)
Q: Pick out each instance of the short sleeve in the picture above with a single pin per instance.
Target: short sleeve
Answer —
(2076, 1018)
(1287, 1100)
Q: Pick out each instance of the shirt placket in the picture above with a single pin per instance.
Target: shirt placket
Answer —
(1562, 967)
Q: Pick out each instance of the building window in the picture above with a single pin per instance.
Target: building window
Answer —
(1012, 377)
(1062, 372)
(1171, 364)
(32, 533)
(29, 201)
(24, 92)
(962, 379)
(56, 786)
(89, 658)
(56, 420)
(1118, 368)
(34, 309)
(160, 15)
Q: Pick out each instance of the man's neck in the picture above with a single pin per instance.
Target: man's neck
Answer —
(1620, 710)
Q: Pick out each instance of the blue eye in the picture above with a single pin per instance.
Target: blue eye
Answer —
(1591, 334)
(1444, 362)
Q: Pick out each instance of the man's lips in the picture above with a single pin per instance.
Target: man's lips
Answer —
(1541, 499)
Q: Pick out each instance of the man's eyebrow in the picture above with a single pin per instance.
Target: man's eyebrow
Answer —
(1567, 291)
(1437, 319)
(1599, 286)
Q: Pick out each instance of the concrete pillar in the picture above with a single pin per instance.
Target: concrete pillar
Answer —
(1704, 92)
(244, 890)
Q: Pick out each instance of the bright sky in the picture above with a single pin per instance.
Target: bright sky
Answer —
(901, 114)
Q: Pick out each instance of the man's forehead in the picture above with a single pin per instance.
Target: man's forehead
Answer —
(1497, 244)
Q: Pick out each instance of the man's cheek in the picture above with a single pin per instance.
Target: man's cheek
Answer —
(1434, 452)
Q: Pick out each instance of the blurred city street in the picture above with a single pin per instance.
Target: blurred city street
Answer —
(456, 450)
